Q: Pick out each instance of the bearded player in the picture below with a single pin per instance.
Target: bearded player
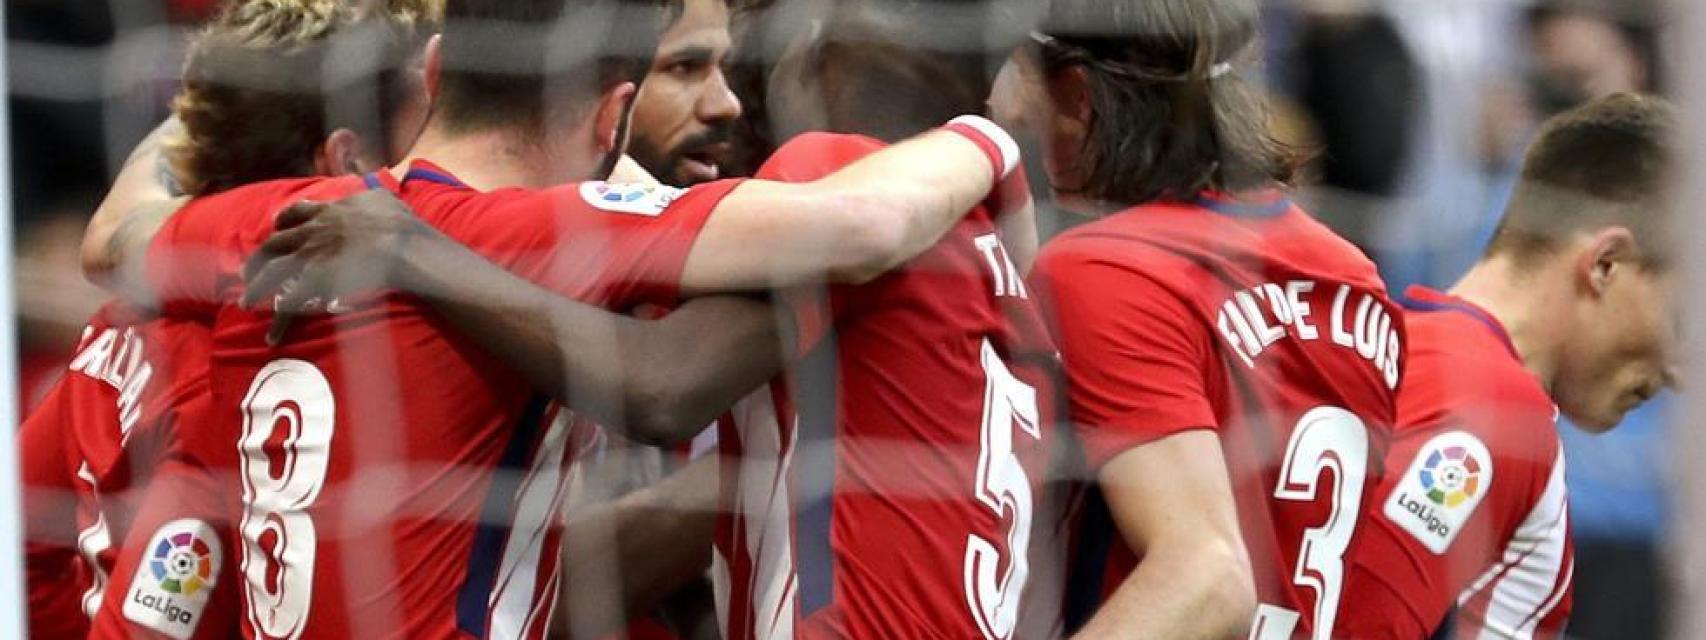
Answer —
(136, 380)
(1568, 312)
(607, 243)
(685, 113)
(1231, 364)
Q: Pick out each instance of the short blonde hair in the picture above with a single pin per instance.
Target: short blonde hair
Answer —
(258, 99)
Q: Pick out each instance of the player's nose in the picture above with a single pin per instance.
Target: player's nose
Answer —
(718, 101)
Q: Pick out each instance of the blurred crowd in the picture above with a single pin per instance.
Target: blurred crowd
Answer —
(1417, 111)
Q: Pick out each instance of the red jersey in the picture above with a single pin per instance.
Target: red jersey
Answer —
(1251, 320)
(395, 480)
(1473, 512)
(133, 383)
(940, 387)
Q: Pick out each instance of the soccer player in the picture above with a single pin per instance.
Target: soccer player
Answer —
(684, 114)
(1569, 311)
(921, 447)
(463, 549)
(1231, 364)
(136, 379)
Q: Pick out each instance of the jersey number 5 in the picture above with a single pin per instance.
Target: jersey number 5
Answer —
(1325, 438)
(1003, 486)
(287, 437)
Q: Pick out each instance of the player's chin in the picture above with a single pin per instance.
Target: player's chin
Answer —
(1605, 419)
(696, 168)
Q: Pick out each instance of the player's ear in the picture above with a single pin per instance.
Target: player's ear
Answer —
(1607, 256)
(340, 155)
(430, 65)
(1069, 90)
(613, 110)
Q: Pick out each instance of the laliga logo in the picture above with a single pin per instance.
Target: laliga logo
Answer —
(625, 193)
(1450, 476)
(182, 564)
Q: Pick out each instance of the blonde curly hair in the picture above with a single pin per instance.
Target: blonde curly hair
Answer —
(267, 80)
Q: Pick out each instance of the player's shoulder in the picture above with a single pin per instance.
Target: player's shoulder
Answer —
(243, 208)
(814, 154)
(1457, 353)
(825, 143)
(1461, 378)
(284, 189)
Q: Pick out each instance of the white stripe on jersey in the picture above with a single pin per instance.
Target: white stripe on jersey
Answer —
(767, 506)
(516, 602)
(720, 588)
(1534, 575)
(91, 543)
(763, 506)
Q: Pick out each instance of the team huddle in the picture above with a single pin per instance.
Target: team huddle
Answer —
(370, 327)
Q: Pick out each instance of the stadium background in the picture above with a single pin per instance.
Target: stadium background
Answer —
(1420, 109)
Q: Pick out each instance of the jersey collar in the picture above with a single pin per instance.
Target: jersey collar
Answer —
(1265, 203)
(1420, 298)
(425, 170)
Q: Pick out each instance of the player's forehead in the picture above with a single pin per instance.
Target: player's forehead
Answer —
(703, 25)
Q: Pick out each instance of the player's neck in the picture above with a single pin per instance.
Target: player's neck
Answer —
(1523, 305)
(484, 160)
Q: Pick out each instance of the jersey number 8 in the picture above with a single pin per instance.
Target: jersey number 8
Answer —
(287, 437)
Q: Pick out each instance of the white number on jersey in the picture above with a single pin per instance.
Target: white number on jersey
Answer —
(1003, 486)
(1325, 438)
(287, 429)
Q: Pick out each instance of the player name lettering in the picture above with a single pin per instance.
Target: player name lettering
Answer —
(1253, 319)
(1004, 275)
(164, 605)
(1426, 513)
(116, 358)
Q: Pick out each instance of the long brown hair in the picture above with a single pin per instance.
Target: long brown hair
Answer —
(1170, 115)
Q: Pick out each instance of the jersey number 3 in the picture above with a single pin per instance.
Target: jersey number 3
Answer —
(1325, 438)
(287, 437)
(1003, 486)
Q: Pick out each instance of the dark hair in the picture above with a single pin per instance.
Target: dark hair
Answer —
(1169, 117)
(514, 63)
(257, 103)
(894, 68)
(1606, 162)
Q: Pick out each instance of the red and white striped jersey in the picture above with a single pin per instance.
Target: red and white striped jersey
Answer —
(752, 562)
(1472, 514)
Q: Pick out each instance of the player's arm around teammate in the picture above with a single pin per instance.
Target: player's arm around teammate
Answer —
(656, 378)
(875, 214)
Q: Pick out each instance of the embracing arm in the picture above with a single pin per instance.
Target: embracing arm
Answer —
(852, 225)
(141, 198)
(660, 381)
(663, 380)
(662, 537)
(1172, 501)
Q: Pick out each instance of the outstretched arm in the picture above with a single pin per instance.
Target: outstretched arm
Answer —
(856, 223)
(662, 538)
(660, 381)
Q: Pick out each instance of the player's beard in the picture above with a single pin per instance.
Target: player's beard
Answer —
(666, 165)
